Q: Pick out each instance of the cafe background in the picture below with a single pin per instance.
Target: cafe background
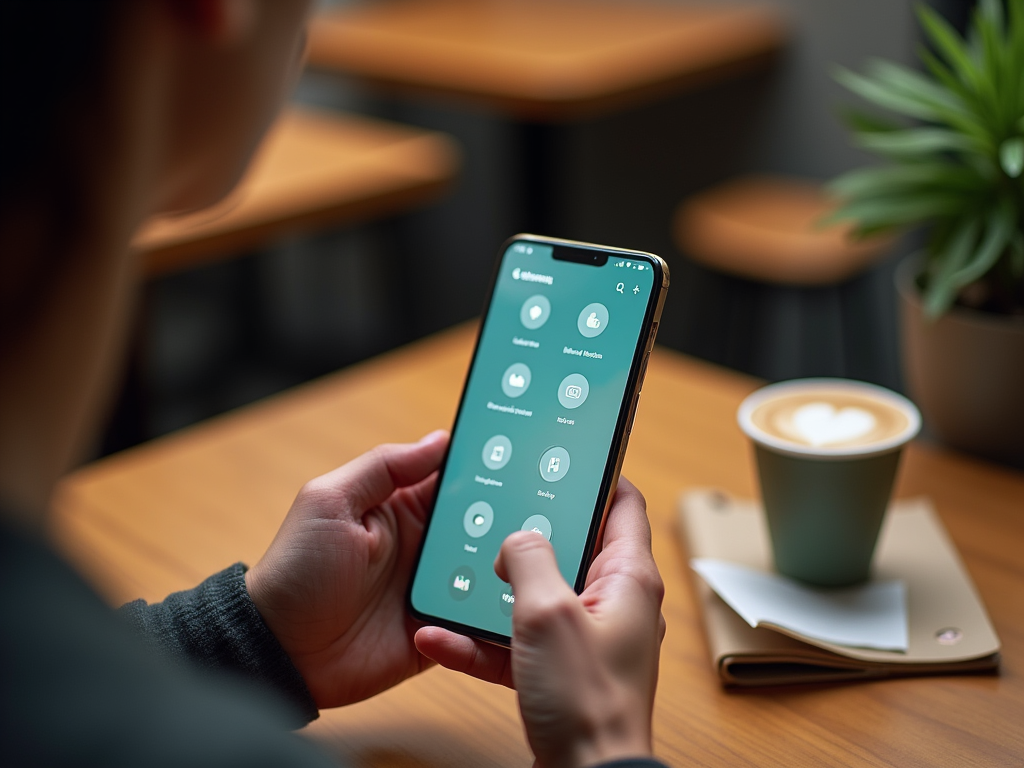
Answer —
(215, 337)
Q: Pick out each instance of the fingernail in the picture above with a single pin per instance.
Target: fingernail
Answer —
(433, 437)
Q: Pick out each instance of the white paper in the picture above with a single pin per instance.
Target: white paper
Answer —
(873, 615)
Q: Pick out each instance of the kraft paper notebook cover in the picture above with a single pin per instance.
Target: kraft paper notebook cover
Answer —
(949, 630)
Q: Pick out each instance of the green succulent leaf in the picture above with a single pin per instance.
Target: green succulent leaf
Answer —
(991, 11)
(949, 43)
(885, 96)
(943, 74)
(882, 213)
(912, 84)
(917, 141)
(1011, 156)
(999, 232)
(907, 181)
(941, 292)
(859, 121)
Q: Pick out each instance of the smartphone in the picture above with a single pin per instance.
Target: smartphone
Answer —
(541, 429)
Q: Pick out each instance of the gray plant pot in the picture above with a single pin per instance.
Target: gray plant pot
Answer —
(965, 371)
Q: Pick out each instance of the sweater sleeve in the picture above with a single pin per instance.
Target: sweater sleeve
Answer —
(216, 626)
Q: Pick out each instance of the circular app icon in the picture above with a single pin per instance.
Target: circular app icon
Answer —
(478, 519)
(593, 320)
(497, 452)
(535, 312)
(573, 391)
(554, 464)
(515, 380)
(538, 524)
(506, 599)
(461, 582)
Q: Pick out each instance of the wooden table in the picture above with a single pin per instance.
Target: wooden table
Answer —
(313, 170)
(543, 59)
(164, 516)
(539, 63)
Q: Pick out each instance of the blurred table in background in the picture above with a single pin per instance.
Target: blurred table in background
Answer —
(314, 170)
(166, 515)
(543, 62)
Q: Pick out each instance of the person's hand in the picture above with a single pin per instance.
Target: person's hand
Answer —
(586, 666)
(332, 584)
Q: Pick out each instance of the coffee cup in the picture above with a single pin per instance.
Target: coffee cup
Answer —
(827, 451)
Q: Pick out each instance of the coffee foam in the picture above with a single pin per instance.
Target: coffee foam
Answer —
(829, 417)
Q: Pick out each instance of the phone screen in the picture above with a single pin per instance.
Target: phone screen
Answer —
(536, 435)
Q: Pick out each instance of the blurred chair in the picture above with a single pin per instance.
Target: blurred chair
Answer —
(767, 231)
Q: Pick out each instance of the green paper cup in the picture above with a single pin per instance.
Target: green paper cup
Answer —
(827, 452)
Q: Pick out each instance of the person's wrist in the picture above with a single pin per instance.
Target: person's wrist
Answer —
(609, 748)
(252, 586)
(257, 593)
(614, 735)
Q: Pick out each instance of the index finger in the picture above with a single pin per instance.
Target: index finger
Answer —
(526, 560)
(627, 526)
(626, 549)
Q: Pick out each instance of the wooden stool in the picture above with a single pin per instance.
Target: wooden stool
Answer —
(314, 170)
(767, 230)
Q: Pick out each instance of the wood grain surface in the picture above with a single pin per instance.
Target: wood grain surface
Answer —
(165, 515)
(313, 170)
(544, 59)
(769, 228)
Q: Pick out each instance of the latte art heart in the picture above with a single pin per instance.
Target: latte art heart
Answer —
(821, 424)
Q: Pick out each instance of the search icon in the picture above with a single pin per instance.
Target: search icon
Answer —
(619, 287)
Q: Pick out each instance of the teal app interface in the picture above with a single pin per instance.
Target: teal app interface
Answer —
(536, 424)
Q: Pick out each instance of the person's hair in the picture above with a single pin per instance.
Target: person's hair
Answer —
(51, 61)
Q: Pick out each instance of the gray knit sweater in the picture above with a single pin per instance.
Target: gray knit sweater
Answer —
(208, 684)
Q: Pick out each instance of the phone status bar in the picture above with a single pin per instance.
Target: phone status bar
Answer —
(639, 266)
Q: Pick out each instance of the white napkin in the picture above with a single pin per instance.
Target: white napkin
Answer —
(873, 615)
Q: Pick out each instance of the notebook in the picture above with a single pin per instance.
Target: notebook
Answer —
(948, 628)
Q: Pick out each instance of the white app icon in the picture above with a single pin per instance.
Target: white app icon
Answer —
(535, 311)
(461, 583)
(515, 380)
(496, 452)
(554, 464)
(573, 390)
(593, 320)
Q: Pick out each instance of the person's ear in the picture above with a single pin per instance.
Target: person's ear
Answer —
(217, 21)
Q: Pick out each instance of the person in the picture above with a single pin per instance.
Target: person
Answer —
(117, 109)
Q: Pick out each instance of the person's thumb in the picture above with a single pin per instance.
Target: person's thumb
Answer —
(370, 479)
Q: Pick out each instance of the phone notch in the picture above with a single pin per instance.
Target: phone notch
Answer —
(578, 255)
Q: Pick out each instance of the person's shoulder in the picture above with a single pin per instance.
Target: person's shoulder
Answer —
(80, 688)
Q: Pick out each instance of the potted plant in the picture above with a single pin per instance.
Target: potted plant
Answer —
(955, 166)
